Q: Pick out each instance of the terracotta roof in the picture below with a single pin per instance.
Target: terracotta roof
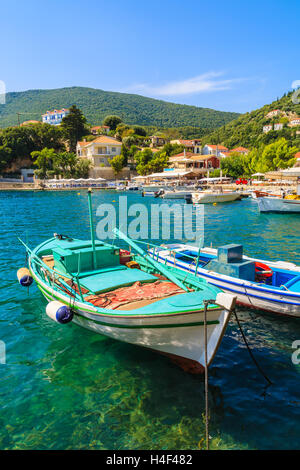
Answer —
(55, 111)
(102, 139)
(189, 156)
(240, 149)
(100, 127)
(220, 147)
(182, 155)
(297, 155)
(188, 143)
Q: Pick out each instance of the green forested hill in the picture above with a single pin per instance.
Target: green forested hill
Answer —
(247, 129)
(96, 104)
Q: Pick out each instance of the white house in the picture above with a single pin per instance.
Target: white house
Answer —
(99, 151)
(55, 117)
(278, 126)
(193, 145)
(267, 128)
(217, 150)
(294, 122)
(271, 114)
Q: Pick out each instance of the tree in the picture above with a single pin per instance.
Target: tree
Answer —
(117, 163)
(44, 161)
(278, 155)
(158, 163)
(112, 121)
(64, 164)
(142, 159)
(74, 127)
(234, 165)
(82, 168)
(139, 130)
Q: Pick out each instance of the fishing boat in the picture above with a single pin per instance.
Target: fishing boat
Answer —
(267, 285)
(128, 296)
(210, 197)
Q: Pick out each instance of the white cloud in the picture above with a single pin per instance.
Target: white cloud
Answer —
(201, 84)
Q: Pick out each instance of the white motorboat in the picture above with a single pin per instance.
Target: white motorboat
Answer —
(210, 197)
(277, 204)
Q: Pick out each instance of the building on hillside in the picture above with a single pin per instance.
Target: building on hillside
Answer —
(157, 141)
(217, 150)
(297, 156)
(241, 150)
(99, 151)
(100, 130)
(294, 122)
(278, 126)
(267, 128)
(30, 123)
(271, 114)
(193, 145)
(55, 117)
(199, 164)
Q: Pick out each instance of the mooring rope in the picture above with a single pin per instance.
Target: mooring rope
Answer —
(206, 376)
(249, 350)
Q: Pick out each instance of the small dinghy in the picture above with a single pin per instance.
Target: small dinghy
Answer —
(130, 297)
(273, 286)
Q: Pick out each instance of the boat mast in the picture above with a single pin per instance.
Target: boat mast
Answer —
(92, 227)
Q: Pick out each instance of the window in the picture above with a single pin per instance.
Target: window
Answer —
(113, 149)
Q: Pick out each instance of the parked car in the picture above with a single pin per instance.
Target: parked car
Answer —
(241, 181)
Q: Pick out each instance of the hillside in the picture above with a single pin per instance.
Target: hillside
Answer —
(96, 104)
(247, 129)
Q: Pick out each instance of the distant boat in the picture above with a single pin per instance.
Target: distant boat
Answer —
(278, 204)
(177, 194)
(266, 285)
(210, 197)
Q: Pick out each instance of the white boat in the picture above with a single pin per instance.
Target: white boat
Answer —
(177, 194)
(209, 197)
(267, 285)
(276, 204)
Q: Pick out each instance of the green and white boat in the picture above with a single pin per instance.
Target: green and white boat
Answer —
(130, 297)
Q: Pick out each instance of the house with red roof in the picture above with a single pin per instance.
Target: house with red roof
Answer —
(189, 161)
(271, 114)
(241, 150)
(100, 130)
(217, 150)
(193, 145)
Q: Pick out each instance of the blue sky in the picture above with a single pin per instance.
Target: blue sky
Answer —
(227, 55)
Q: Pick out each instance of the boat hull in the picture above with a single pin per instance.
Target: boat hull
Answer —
(248, 293)
(179, 335)
(209, 198)
(274, 204)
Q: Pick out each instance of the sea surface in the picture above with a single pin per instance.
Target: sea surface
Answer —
(63, 387)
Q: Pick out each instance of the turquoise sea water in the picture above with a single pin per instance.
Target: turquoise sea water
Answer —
(63, 387)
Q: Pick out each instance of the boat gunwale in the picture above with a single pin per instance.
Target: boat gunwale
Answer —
(68, 300)
(242, 283)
